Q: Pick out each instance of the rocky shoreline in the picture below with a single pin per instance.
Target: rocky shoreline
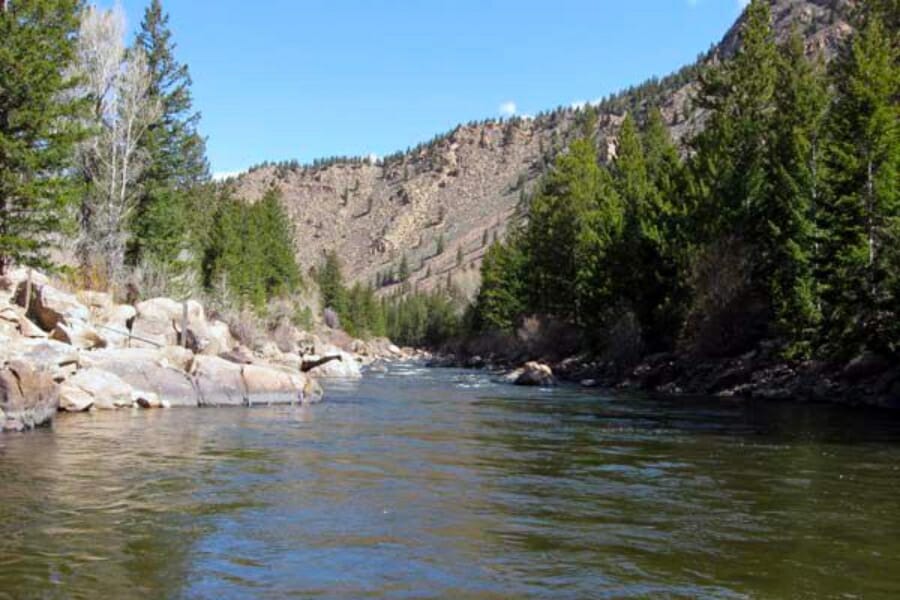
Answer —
(867, 380)
(81, 351)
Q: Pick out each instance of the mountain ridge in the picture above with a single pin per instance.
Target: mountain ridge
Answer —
(438, 206)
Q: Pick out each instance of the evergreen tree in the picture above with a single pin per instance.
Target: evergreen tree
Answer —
(39, 126)
(175, 150)
(331, 284)
(731, 153)
(800, 101)
(276, 238)
(644, 264)
(555, 222)
(861, 210)
(501, 299)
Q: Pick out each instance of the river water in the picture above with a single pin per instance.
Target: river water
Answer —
(441, 484)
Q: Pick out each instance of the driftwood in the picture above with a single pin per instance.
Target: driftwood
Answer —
(309, 365)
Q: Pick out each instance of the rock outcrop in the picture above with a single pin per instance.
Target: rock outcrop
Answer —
(81, 352)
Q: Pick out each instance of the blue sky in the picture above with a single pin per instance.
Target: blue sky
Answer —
(282, 79)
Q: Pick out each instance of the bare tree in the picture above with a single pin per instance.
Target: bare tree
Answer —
(118, 81)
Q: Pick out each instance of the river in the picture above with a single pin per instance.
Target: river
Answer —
(441, 484)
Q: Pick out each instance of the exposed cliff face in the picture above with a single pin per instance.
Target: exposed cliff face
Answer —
(463, 187)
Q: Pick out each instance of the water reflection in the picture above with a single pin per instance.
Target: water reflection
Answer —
(443, 484)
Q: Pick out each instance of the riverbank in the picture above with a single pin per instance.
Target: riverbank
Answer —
(78, 351)
(869, 379)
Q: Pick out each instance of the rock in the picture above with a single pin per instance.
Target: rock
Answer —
(866, 365)
(220, 339)
(74, 399)
(536, 374)
(346, 367)
(154, 323)
(29, 397)
(268, 385)
(218, 382)
(176, 357)
(9, 283)
(240, 355)
(147, 400)
(108, 391)
(393, 349)
(151, 371)
(14, 317)
(114, 324)
(589, 383)
(79, 334)
(49, 306)
(60, 359)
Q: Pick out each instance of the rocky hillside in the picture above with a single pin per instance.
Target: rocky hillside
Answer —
(440, 204)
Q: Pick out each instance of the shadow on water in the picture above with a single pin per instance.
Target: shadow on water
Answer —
(442, 483)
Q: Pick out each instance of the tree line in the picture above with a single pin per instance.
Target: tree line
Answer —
(780, 222)
(409, 318)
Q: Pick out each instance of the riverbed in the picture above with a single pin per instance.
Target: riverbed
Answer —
(443, 484)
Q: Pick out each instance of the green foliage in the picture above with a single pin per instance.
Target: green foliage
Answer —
(784, 223)
(800, 103)
(556, 219)
(252, 251)
(175, 150)
(331, 284)
(501, 299)
(860, 213)
(423, 319)
(39, 127)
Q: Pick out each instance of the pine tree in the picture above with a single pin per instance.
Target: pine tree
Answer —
(276, 236)
(800, 101)
(555, 222)
(501, 299)
(861, 209)
(176, 151)
(331, 284)
(39, 126)
(731, 157)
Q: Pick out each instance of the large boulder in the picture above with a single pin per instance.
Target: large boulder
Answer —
(269, 385)
(95, 388)
(154, 323)
(344, 367)
(49, 306)
(113, 321)
(218, 382)
(59, 359)
(159, 323)
(535, 374)
(158, 372)
(28, 395)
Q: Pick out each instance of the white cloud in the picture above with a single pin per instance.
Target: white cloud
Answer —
(223, 175)
(508, 109)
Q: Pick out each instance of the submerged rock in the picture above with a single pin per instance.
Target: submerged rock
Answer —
(535, 374)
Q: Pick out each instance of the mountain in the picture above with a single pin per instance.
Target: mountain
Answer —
(460, 190)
